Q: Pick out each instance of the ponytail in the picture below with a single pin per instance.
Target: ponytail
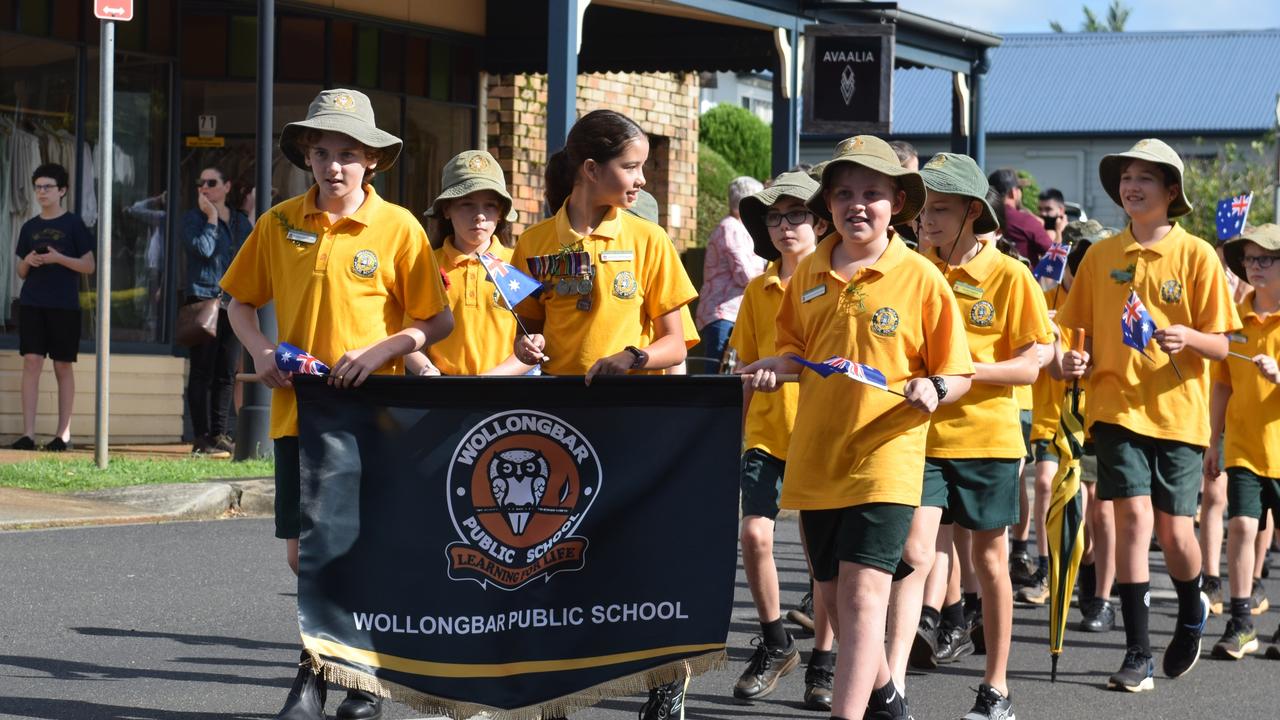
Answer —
(559, 180)
(600, 135)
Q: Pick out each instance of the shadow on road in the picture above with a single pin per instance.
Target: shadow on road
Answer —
(49, 709)
(185, 639)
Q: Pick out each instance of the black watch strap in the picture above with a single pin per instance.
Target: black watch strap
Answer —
(940, 385)
(641, 357)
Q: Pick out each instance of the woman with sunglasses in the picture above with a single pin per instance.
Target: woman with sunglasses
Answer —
(212, 232)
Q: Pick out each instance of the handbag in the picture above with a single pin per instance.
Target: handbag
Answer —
(197, 322)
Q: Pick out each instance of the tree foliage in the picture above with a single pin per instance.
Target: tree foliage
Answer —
(714, 175)
(1232, 171)
(740, 137)
(1117, 17)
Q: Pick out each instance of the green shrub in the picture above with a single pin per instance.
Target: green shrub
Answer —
(742, 138)
(714, 175)
(1234, 170)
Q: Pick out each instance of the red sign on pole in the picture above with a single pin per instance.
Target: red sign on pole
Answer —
(118, 10)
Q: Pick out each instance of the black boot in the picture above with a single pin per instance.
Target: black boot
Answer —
(306, 697)
(360, 705)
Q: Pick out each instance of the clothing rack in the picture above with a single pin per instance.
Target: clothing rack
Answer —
(29, 111)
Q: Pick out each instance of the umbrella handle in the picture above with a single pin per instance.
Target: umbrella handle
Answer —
(1078, 345)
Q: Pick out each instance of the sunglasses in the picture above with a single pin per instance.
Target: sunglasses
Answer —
(794, 217)
(1262, 262)
(208, 183)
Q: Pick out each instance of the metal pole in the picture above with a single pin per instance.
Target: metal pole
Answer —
(562, 71)
(979, 137)
(253, 426)
(106, 143)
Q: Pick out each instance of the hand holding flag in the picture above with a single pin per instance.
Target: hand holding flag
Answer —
(858, 372)
(1136, 325)
(1053, 264)
(1232, 214)
(293, 359)
(514, 286)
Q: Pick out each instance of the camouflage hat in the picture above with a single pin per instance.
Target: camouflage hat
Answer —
(343, 111)
(1153, 151)
(472, 171)
(645, 207)
(1266, 237)
(753, 208)
(1090, 230)
(871, 152)
(955, 174)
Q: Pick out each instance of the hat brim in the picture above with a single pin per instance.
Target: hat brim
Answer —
(1110, 168)
(468, 186)
(911, 182)
(389, 145)
(986, 222)
(1233, 249)
(753, 208)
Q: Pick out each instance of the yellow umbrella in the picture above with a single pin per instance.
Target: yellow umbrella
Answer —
(1064, 525)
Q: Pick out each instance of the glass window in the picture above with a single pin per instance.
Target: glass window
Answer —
(6, 14)
(391, 65)
(160, 30)
(66, 19)
(367, 57)
(440, 71)
(464, 75)
(342, 51)
(300, 50)
(433, 133)
(415, 66)
(204, 46)
(244, 46)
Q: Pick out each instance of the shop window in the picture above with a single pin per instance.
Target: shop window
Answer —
(433, 133)
(204, 46)
(342, 51)
(367, 57)
(243, 59)
(160, 27)
(439, 70)
(391, 65)
(35, 17)
(300, 50)
(66, 19)
(130, 36)
(415, 66)
(464, 75)
(6, 14)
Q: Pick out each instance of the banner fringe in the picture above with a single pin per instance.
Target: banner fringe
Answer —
(559, 707)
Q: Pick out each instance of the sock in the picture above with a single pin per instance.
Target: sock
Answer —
(972, 603)
(775, 636)
(885, 697)
(953, 614)
(931, 613)
(1019, 547)
(1088, 582)
(1240, 608)
(823, 659)
(1188, 600)
(1136, 611)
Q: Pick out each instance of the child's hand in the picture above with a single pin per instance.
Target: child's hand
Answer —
(1173, 339)
(269, 374)
(1267, 365)
(1212, 462)
(1074, 363)
(762, 374)
(356, 365)
(921, 394)
(35, 259)
(528, 349)
(615, 364)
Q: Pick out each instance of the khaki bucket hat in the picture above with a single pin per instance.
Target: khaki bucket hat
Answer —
(472, 171)
(875, 154)
(645, 207)
(956, 174)
(1089, 230)
(1153, 151)
(345, 111)
(1265, 236)
(753, 208)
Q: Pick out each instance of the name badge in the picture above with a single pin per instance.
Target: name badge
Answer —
(964, 288)
(816, 291)
(300, 236)
(1238, 338)
(617, 255)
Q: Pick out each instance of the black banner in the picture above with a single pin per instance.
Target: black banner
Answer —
(524, 546)
(848, 78)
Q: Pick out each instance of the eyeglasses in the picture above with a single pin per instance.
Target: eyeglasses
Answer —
(1262, 262)
(46, 187)
(207, 183)
(794, 217)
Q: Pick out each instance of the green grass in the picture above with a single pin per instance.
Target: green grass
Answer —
(74, 474)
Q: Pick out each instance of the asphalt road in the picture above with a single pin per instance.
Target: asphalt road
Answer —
(197, 620)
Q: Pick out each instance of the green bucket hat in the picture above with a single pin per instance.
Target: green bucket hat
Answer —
(345, 111)
(645, 207)
(1265, 236)
(955, 174)
(1151, 150)
(472, 171)
(1090, 230)
(753, 208)
(875, 154)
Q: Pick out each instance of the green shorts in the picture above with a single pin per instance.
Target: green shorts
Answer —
(871, 534)
(1025, 417)
(1043, 451)
(1251, 495)
(761, 480)
(977, 494)
(1133, 465)
(288, 488)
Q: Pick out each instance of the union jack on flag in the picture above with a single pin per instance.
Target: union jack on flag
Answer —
(291, 358)
(513, 285)
(1232, 214)
(1136, 324)
(1053, 264)
(836, 365)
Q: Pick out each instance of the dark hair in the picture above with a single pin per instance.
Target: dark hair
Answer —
(1053, 194)
(600, 135)
(218, 169)
(54, 171)
(308, 138)
(904, 150)
(996, 201)
(1077, 255)
(1003, 181)
(1167, 173)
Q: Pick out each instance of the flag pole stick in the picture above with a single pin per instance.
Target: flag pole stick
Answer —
(1235, 354)
(519, 324)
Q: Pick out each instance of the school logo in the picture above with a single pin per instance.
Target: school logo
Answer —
(1171, 291)
(624, 285)
(365, 263)
(477, 163)
(982, 314)
(938, 161)
(519, 485)
(853, 300)
(344, 102)
(884, 322)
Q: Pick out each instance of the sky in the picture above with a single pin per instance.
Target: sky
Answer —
(1005, 16)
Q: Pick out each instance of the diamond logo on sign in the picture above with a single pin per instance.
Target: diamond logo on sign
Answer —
(117, 10)
(847, 84)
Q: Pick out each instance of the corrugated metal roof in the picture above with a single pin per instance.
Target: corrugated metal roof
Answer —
(1100, 83)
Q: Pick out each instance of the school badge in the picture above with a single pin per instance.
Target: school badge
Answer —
(982, 314)
(853, 300)
(624, 285)
(884, 322)
(364, 263)
(1171, 291)
(519, 485)
(344, 102)
(477, 163)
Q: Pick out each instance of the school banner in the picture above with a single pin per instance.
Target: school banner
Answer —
(521, 546)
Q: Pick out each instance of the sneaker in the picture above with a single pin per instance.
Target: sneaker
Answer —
(817, 687)
(1136, 674)
(976, 633)
(1213, 589)
(954, 643)
(764, 669)
(224, 443)
(1022, 569)
(924, 649)
(990, 705)
(207, 447)
(802, 614)
(23, 443)
(1036, 593)
(1258, 597)
(57, 445)
(666, 702)
(1240, 639)
(1184, 649)
(1273, 650)
(1099, 615)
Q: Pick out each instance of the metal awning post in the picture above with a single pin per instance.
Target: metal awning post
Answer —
(563, 30)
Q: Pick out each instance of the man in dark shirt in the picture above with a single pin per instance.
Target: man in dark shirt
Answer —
(54, 249)
(1024, 230)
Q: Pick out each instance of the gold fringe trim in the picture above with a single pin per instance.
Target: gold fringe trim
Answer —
(559, 707)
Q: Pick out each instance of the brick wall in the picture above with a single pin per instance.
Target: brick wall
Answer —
(664, 104)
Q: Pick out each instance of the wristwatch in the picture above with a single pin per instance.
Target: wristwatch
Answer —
(940, 385)
(642, 357)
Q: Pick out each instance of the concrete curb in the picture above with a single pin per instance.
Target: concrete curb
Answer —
(138, 504)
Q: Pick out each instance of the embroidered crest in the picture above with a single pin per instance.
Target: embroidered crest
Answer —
(1171, 291)
(982, 314)
(853, 299)
(364, 264)
(1141, 144)
(624, 285)
(344, 102)
(938, 161)
(477, 163)
(884, 322)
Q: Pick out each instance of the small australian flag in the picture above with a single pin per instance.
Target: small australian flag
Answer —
(1136, 325)
(1053, 264)
(1232, 214)
(836, 365)
(513, 285)
(291, 358)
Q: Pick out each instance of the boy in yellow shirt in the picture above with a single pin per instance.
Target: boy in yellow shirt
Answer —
(855, 449)
(1149, 411)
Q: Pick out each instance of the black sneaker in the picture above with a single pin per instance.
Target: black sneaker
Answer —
(57, 445)
(976, 632)
(817, 687)
(1273, 650)
(764, 669)
(802, 614)
(359, 705)
(666, 702)
(1213, 590)
(1136, 674)
(1258, 598)
(924, 649)
(895, 708)
(23, 443)
(1022, 569)
(1099, 615)
(954, 643)
(1240, 639)
(1184, 649)
(990, 705)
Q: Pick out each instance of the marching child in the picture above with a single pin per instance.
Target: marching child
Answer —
(1149, 411)
(855, 449)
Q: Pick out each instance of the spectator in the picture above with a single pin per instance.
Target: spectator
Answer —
(1024, 230)
(54, 250)
(730, 264)
(212, 234)
(1053, 213)
(152, 213)
(908, 157)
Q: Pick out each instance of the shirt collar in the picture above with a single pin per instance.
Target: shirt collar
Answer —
(363, 215)
(608, 229)
(892, 256)
(1159, 247)
(979, 267)
(772, 277)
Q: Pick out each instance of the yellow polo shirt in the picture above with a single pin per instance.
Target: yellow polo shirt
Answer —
(1003, 309)
(854, 444)
(1181, 282)
(1024, 397)
(1253, 412)
(638, 278)
(755, 335)
(1047, 393)
(336, 287)
(484, 330)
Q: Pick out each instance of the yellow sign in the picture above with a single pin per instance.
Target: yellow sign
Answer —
(206, 142)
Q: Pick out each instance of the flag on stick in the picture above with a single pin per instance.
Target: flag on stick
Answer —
(1136, 324)
(291, 358)
(1053, 264)
(836, 365)
(1232, 214)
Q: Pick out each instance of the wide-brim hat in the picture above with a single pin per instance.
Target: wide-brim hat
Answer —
(472, 171)
(1088, 230)
(1265, 236)
(645, 207)
(753, 208)
(956, 174)
(874, 154)
(1153, 151)
(343, 111)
